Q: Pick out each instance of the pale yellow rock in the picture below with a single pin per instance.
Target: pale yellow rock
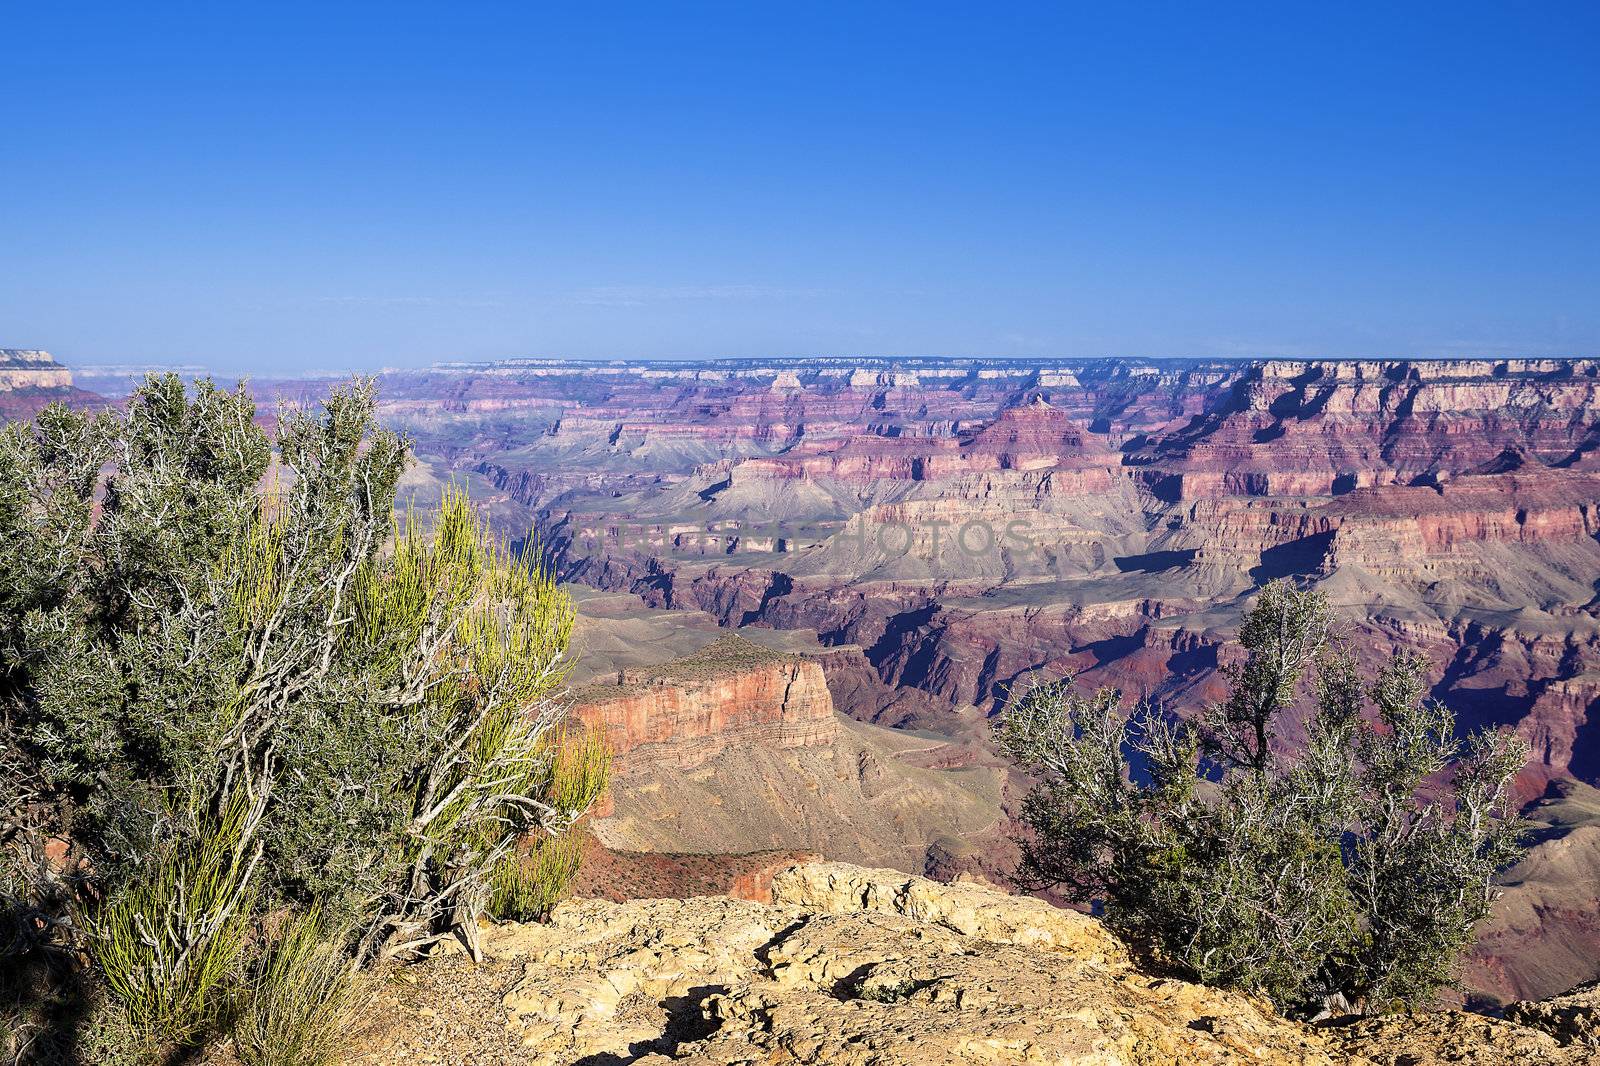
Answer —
(1453, 1038)
(970, 908)
(857, 966)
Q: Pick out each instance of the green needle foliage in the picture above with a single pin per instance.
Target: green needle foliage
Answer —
(233, 683)
(1348, 875)
(302, 998)
(170, 943)
(527, 885)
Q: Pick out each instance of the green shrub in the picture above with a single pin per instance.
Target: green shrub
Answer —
(1329, 877)
(170, 944)
(196, 619)
(302, 998)
(527, 884)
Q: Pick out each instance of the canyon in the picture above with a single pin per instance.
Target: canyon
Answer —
(806, 586)
(948, 530)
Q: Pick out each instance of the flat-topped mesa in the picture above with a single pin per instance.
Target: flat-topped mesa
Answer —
(1296, 428)
(728, 693)
(29, 368)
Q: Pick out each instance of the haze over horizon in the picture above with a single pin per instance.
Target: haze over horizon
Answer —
(294, 189)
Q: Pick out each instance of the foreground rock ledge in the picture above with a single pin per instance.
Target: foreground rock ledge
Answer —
(876, 968)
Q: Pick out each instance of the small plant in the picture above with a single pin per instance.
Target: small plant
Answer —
(169, 946)
(527, 884)
(890, 991)
(1348, 875)
(302, 998)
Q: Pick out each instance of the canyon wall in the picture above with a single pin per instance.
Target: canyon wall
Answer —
(684, 712)
(24, 368)
(31, 379)
(953, 529)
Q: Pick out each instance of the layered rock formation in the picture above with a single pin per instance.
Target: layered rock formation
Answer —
(847, 965)
(30, 379)
(26, 368)
(727, 747)
(730, 693)
(953, 528)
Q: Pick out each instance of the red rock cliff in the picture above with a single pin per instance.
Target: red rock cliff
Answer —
(730, 692)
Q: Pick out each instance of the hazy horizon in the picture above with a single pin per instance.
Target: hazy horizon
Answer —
(131, 371)
(298, 188)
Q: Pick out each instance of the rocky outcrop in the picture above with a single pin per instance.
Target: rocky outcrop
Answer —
(860, 967)
(731, 692)
(26, 368)
(1573, 1017)
(852, 966)
(869, 794)
(863, 798)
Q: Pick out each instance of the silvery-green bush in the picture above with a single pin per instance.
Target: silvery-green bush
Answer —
(231, 681)
(1346, 873)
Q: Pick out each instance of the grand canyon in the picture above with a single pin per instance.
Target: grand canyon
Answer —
(939, 532)
(805, 587)
(800, 535)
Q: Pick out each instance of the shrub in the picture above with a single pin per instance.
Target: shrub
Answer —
(1348, 874)
(302, 998)
(169, 944)
(197, 622)
(528, 884)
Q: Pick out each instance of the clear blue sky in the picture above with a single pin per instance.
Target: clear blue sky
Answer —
(300, 187)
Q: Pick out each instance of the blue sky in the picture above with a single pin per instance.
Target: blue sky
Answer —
(287, 187)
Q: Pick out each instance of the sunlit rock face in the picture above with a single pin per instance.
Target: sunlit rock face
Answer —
(24, 368)
(731, 692)
(31, 379)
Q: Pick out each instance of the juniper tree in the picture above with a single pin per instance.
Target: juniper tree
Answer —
(1347, 873)
(230, 679)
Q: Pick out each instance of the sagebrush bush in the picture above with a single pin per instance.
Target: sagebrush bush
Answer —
(302, 998)
(195, 621)
(1329, 877)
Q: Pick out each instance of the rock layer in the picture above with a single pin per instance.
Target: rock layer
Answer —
(30, 379)
(731, 692)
